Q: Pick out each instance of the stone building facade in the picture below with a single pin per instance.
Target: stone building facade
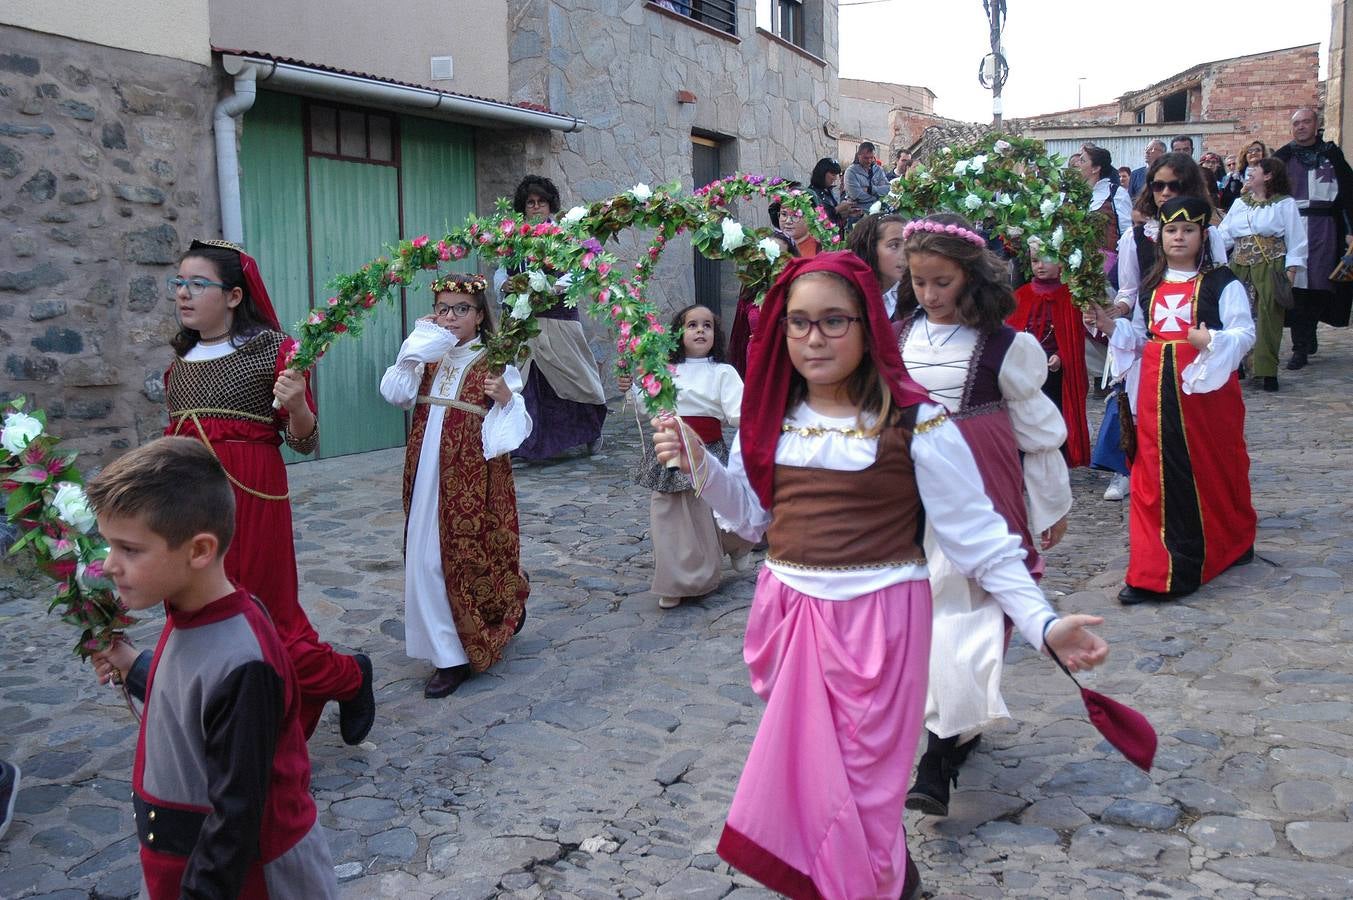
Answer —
(109, 165)
(106, 170)
(891, 116)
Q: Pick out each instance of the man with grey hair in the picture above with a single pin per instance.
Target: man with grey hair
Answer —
(1137, 181)
(1322, 185)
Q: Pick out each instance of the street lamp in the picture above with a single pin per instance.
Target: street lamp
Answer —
(1079, 81)
(993, 70)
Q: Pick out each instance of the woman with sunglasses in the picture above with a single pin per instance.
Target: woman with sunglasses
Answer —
(1171, 175)
(229, 366)
(464, 589)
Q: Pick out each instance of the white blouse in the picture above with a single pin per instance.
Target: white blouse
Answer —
(967, 528)
(1278, 219)
(1213, 366)
(938, 360)
(504, 427)
(708, 388)
(1122, 203)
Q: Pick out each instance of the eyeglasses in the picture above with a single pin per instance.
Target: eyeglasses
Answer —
(195, 286)
(459, 311)
(799, 327)
(1176, 186)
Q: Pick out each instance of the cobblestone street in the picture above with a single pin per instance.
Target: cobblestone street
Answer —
(599, 758)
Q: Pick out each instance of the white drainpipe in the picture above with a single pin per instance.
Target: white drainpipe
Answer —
(227, 158)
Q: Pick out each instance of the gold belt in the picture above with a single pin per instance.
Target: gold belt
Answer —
(191, 416)
(1252, 249)
(850, 567)
(454, 404)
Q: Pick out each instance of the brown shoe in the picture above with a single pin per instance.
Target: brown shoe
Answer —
(444, 682)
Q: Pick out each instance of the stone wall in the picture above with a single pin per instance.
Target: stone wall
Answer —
(106, 172)
(620, 67)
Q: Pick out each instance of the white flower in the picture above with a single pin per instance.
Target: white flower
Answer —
(973, 202)
(537, 280)
(977, 164)
(20, 430)
(1035, 245)
(733, 235)
(924, 176)
(1074, 260)
(1047, 208)
(1004, 199)
(1002, 147)
(574, 215)
(770, 247)
(961, 168)
(1014, 231)
(521, 306)
(876, 207)
(72, 507)
(1057, 236)
(641, 192)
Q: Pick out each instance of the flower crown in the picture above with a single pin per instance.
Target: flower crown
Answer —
(951, 230)
(460, 284)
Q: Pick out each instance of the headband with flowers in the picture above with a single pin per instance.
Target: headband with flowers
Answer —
(460, 284)
(951, 230)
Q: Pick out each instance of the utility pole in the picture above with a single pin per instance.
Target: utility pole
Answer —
(994, 70)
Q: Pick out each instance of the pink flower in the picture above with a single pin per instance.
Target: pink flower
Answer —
(604, 297)
(541, 229)
(508, 226)
(659, 329)
(621, 344)
(625, 329)
(671, 369)
(333, 301)
(443, 251)
(484, 239)
(634, 344)
(457, 251)
(340, 328)
(420, 242)
(652, 385)
(588, 258)
(315, 317)
(652, 319)
(603, 269)
(291, 356)
(616, 311)
(370, 300)
(525, 230)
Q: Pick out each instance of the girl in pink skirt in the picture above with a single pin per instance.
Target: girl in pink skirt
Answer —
(839, 458)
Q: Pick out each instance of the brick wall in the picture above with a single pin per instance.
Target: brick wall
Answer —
(106, 173)
(1260, 92)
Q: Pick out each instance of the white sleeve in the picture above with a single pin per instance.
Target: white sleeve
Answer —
(1129, 335)
(730, 394)
(1294, 233)
(729, 493)
(1225, 229)
(1218, 245)
(1213, 367)
(399, 384)
(1122, 205)
(505, 427)
(1040, 432)
(968, 529)
(1129, 272)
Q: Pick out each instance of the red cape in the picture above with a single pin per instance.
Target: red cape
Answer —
(1069, 333)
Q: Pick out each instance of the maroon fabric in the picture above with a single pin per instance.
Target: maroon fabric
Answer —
(769, 367)
(708, 428)
(1122, 726)
(259, 292)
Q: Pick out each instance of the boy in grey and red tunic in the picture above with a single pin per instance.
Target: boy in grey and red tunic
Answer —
(221, 779)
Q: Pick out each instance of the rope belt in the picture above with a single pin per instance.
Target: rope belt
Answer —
(191, 416)
(454, 404)
(1252, 249)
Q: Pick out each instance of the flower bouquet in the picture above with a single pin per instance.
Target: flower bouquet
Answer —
(45, 504)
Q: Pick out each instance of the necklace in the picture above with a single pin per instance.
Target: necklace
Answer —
(208, 341)
(931, 341)
(820, 430)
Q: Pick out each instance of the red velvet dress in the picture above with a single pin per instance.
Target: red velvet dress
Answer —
(1048, 314)
(227, 404)
(1191, 514)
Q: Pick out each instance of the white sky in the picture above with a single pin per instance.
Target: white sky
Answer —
(1117, 47)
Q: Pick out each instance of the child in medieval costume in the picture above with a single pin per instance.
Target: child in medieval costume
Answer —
(989, 377)
(230, 366)
(464, 590)
(839, 457)
(1191, 516)
(1044, 310)
(688, 547)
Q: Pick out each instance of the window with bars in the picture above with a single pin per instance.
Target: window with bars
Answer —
(720, 14)
(354, 134)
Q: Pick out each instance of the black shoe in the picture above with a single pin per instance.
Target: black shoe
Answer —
(9, 791)
(1240, 371)
(911, 884)
(1244, 559)
(1298, 360)
(356, 716)
(521, 623)
(1130, 596)
(443, 682)
(1271, 383)
(934, 774)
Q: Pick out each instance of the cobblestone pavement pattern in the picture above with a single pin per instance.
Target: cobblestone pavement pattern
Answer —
(599, 758)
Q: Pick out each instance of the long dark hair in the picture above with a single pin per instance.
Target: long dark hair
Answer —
(1102, 160)
(678, 328)
(1191, 181)
(865, 236)
(865, 387)
(245, 322)
(987, 300)
(1279, 184)
(824, 166)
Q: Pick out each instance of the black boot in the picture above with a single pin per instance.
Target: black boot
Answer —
(1298, 361)
(937, 770)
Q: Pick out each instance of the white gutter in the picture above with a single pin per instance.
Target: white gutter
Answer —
(227, 161)
(423, 101)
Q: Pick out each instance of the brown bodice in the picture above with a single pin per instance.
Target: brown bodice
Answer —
(830, 519)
